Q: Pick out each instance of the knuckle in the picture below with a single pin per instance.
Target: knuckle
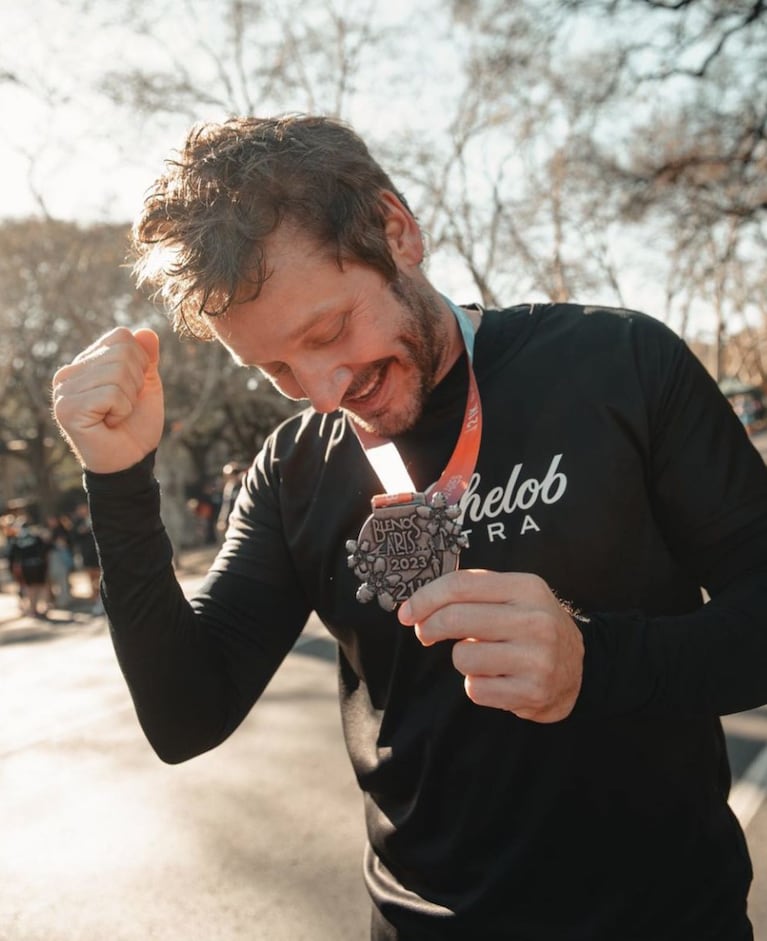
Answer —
(118, 334)
(539, 697)
(463, 656)
(62, 406)
(60, 375)
(545, 666)
(450, 618)
(538, 587)
(423, 633)
(461, 582)
(544, 624)
(528, 579)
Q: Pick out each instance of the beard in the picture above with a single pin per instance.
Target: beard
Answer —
(425, 341)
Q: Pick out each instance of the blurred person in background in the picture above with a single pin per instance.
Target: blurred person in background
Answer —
(86, 554)
(233, 474)
(60, 559)
(28, 563)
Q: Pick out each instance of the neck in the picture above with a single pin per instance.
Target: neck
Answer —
(456, 346)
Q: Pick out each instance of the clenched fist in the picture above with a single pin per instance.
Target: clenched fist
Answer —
(108, 401)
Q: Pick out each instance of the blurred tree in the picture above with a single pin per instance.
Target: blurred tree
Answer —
(603, 142)
(696, 73)
(296, 53)
(507, 187)
(689, 156)
(745, 354)
(215, 411)
(62, 285)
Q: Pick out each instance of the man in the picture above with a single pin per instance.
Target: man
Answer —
(87, 555)
(536, 734)
(28, 562)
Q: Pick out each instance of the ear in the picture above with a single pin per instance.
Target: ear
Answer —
(402, 232)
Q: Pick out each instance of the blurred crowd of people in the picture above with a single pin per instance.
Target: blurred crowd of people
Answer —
(42, 559)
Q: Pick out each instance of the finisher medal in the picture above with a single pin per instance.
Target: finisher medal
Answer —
(412, 538)
(404, 544)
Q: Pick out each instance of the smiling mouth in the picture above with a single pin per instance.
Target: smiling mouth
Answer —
(367, 390)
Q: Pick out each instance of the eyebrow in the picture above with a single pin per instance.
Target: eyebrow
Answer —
(330, 309)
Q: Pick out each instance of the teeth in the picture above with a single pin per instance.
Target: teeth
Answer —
(368, 388)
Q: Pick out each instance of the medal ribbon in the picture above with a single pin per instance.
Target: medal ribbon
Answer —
(454, 479)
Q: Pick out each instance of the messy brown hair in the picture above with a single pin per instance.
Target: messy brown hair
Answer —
(200, 237)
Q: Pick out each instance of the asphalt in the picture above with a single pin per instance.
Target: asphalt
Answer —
(260, 838)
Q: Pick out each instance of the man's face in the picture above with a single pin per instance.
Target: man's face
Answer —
(344, 338)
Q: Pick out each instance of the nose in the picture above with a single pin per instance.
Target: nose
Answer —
(326, 388)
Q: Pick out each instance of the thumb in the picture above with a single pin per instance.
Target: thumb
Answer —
(150, 343)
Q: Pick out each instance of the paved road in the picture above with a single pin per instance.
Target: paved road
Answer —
(259, 840)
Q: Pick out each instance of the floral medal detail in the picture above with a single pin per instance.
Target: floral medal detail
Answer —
(405, 543)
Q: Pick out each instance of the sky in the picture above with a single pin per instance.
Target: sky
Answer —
(88, 158)
(74, 154)
(61, 140)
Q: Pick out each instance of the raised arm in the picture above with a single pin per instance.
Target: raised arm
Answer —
(194, 667)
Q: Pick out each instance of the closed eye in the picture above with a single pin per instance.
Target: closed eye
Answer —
(336, 334)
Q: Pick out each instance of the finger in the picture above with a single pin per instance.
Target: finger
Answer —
(469, 585)
(118, 337)
(126, 372)
(117, 347)
(479, 658)
(85, 393)
(511, 693)
(87, 409)
(527, 700)
(150, 343)
(121, 407)
(479, 621)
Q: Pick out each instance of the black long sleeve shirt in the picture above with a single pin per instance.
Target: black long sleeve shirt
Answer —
(612, 467)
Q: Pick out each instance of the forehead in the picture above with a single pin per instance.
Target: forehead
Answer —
(304, 284)
(289, 246)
